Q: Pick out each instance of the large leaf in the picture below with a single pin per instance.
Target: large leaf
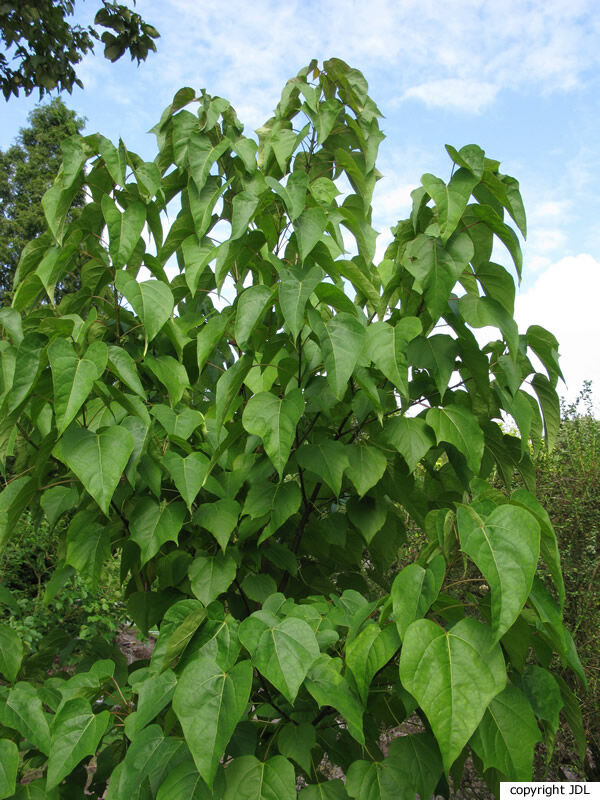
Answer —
(436, 354)
(294, 290)
(505, 547)
(73, 377)
(123, 366)
(507, 735)
(450, 200)
(329, 687)
(459, 427)
(387, 347)
(550, 406)
(152, 524)
(211, 575)
(188, 473)
(220, 518)
(366, 467)
(154, 693)
(97, 459)
(328, 460)
(124, 228)
(9, 761)
(414, 591)
(275, 421)
(252, 304)
(453, 675)
(228, 387)
(342, 339)
(171, 373)
(247, 778)
(184, 781)
(148, 760)
(23, 711)
(11, 652)
(151, 300)
(368, 652)
(279, 500)
(76, 733)
(209, 703)
(296, 742)
(328, 790)
(88, 545)
(410, 436)
(413, 767)
(283, 651)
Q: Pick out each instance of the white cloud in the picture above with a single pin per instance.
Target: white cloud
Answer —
(456, 93)
(564, 299)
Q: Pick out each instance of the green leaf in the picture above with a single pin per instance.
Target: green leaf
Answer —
(329, 790)
(148, 759)
(252, 304)
(279, 500)
(497, 284)
(282, 652)
(228, 387)
(329, 687)
(341, 339)
(296, 742)
(453, 675)
(309, 228)
(436, 354)
(76, 733)
(210, 576)
(412, 767)
(458, 427)
(543, 692)
(328, 460)
(171, 373)
(184, 781)
(220, 518)
(23, 712)
(244, 206)
(124, 228)
(9, 762)
(368, 652)
(275, 421)
(545, 346)
(505, 547)
(247, 778)
(414, 591)
(187, 473)
(88, 546)
(367, 466)
(550, 406)
(73, 377)
(435, 269)
(30, 360)
(97, 459)
(295, 288)
(151, 300)
(479, 312)
(151, 524)
(208, 337)
(123, 366)
(209, 703)
(115, 159)
(368, 516)
(451, 200)
(507, 236)
(410, 436)
(471, 156)
(11, 652)
(387, 348)
(14, 499)
(154, 693)
(507, 735)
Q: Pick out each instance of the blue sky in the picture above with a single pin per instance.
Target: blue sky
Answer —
(521, 78)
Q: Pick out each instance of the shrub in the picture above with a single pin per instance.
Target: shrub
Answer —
(254, 465)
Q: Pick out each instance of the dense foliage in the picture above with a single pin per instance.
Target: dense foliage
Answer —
(568, 481)
(252, 434)
(46, 47)
(27, 171)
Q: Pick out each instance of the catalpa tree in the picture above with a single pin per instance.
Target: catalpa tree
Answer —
(255, 466)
